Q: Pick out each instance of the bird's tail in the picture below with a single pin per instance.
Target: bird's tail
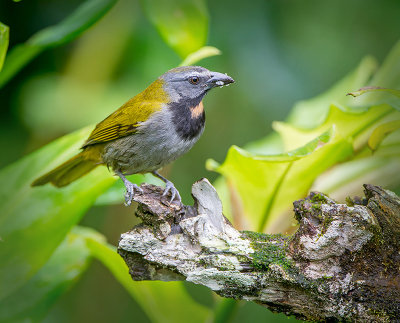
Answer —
(68, 172)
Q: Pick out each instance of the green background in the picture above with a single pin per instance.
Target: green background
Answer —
(279, 52)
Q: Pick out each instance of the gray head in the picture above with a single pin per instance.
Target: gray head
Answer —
(192, 82)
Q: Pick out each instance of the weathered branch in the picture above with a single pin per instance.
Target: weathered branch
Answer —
(343, 263)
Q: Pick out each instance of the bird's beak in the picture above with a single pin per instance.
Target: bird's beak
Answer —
(219, 79)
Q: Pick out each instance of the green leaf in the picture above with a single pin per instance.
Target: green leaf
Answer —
(388, 75)
(155, 298)
(267, 185)
(204, 52)
(377, 95)
(81, 19)
(269, 145)
(311, 113)
(257, 184)
(379, 167)
(347, 179)
(225, 310)
(17, 58)
(381, 132)
(65, 266)
(368, 89)
(349, 123)
(4, 35)
(183, 24)
(34, 220)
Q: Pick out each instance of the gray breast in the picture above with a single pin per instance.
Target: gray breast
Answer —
(156, 143)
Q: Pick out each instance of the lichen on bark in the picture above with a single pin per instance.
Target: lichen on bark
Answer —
(341, 264)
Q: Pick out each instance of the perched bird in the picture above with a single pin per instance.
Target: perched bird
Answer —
(146, 133)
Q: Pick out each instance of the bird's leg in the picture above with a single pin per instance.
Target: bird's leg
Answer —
(130, 188)
(169, 186)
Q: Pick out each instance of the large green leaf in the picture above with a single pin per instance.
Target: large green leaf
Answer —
(311, 113)
(384, 85)
(34, 220)
(373, 95)
(155, 298)
(262, 189)
(32, 301)
(368, 89)
(267, 185)
(388, 75)
(81, 19)
(183, 24)
(307, 115)
(4, 34)
(350, 176)
(349, 123)
(379, 167)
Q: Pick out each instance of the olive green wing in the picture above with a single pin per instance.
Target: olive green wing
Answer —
(128, 118)
(104, 134)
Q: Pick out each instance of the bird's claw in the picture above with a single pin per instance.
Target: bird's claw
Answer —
(169, 186)
(130, 192)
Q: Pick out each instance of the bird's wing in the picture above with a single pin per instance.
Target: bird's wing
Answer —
(123, 122)
(128, 118)
(103, 134)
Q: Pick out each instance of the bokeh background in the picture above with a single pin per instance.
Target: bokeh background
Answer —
(278, 51)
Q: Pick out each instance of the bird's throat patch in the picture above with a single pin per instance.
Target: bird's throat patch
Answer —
(197, 110)
(188, 117)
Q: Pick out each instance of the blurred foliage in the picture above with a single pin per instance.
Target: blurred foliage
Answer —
(183, 24)
(274, 62)
(80, 20)
(268, 185)
(263, 187)
(30, 217)
(151, 296)
(34, 299)
(4, 35)
(25, 262)
(204, 52)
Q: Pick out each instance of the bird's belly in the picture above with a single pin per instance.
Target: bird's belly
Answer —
(151, 148)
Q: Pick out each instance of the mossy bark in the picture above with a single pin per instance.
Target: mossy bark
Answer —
(342, 264)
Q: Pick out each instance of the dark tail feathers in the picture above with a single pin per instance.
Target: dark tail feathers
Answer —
(66, 173)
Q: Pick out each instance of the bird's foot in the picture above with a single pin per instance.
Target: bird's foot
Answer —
(131, 189)
(169, 186)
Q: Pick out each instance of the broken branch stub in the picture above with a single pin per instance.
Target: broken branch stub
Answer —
(341, 264)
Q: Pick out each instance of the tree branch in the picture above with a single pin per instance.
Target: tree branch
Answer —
(341, 264)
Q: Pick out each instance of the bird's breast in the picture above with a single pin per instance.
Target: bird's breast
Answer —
(161, 139)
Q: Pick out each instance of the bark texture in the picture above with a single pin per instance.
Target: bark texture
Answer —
(342, 264)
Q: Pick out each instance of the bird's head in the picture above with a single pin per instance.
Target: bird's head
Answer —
(192, 82)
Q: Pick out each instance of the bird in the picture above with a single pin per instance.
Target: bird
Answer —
(149, 131)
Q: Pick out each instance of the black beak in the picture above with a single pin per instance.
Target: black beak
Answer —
(219, 79)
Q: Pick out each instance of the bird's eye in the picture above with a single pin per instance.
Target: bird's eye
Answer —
(194, 80)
